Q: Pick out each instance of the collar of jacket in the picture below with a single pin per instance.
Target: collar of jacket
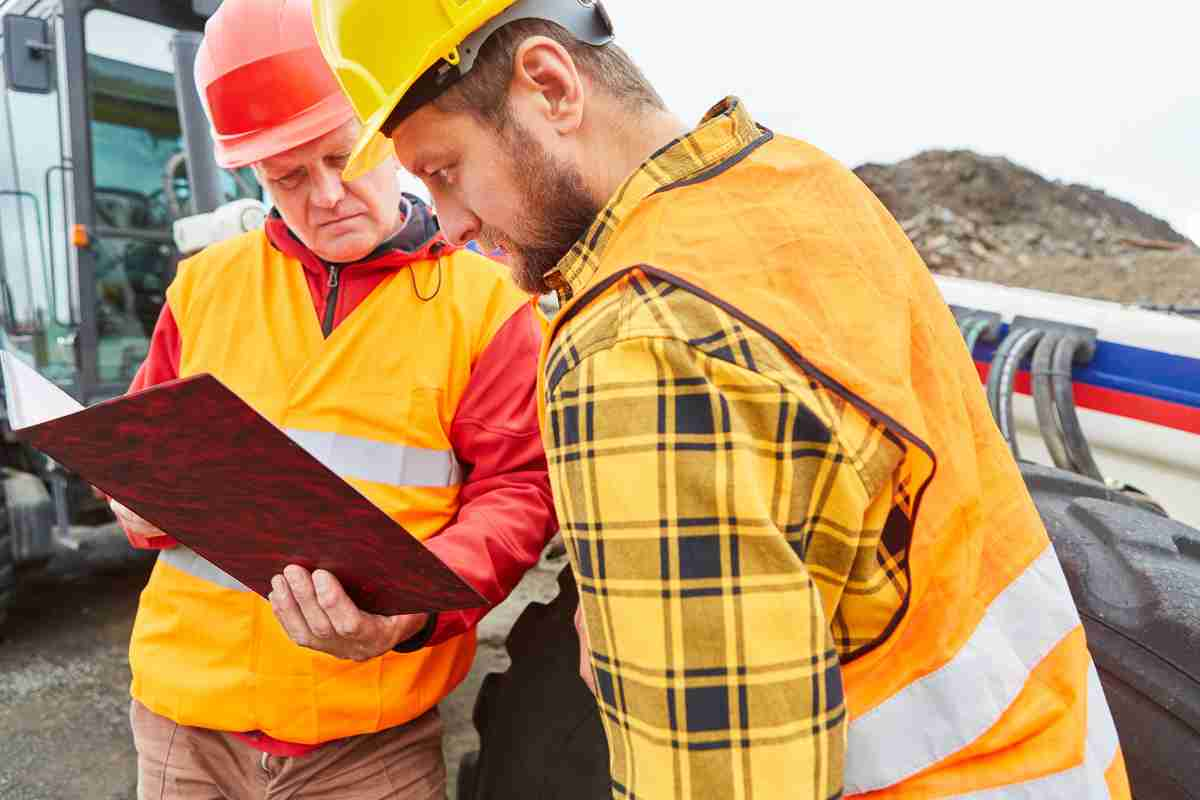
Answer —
(726, 133)
(419, 239)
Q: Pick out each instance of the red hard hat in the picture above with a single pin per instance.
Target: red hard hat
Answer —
(263, 81)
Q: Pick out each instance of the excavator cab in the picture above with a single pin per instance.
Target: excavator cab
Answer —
(94, 170)
(103, 147)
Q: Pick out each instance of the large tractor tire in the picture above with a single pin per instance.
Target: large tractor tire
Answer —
(1135, 576)
(539, 730)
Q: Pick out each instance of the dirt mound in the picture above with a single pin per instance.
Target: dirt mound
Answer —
(988, 218)
(1161, 279)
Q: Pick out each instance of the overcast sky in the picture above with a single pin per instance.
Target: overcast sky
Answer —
(1101, 93)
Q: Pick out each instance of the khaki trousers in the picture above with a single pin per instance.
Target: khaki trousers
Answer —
(176, 762)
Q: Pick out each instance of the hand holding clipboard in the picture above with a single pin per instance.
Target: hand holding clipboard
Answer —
(197, 462)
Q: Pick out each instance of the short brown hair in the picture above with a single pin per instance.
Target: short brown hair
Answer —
(483, 92)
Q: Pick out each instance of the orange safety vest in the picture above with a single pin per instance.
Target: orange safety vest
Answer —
(985, 686)
(375, 402)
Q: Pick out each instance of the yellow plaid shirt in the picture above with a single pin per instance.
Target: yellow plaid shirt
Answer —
(726, 519)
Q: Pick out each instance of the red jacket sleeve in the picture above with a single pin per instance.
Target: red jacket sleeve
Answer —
(161, 365)
(507, 513)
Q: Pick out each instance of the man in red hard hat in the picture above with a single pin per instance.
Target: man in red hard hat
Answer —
(406, 365)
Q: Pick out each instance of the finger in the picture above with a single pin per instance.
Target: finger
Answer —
(345, 617)
(288, 612)
(305, 593)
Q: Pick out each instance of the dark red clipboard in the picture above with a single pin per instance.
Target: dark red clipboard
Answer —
(195, 460)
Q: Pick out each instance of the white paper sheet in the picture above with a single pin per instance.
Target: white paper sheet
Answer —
(31, 398)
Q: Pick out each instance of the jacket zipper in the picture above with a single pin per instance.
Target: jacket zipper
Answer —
(331, 300)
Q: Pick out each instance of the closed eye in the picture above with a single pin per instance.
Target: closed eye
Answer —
(444, 175)
(290, 180)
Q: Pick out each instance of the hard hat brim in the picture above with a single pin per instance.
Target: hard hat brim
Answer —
(233, 152)
(372, 147)
(588, 22)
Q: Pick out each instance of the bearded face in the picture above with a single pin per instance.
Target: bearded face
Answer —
(499, 185)
(556, 211)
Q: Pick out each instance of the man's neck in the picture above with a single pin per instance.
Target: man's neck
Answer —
(638, 137)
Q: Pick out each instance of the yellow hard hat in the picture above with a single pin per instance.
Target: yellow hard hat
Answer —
(392, 56)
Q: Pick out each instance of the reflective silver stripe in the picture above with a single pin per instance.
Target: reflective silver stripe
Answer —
(945, 711)
(196, 565)
(380, 462)
(1085, 782)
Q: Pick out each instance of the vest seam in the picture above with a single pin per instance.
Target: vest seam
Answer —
(828, 382)
(776, 367)
(901, 610)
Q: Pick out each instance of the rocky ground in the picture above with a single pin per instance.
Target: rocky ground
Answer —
(64, 683)
(987, 218)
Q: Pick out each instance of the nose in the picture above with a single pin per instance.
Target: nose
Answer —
(327, 188)
(458, 224)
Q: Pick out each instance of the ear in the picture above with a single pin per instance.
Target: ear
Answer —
(545, 77)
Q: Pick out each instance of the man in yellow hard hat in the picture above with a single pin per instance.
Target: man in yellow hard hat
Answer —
(807, 562)
(402, 362)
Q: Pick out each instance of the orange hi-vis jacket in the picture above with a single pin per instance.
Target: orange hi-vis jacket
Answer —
(379, 401)
(984, 685)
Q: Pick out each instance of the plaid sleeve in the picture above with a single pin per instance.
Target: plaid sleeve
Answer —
(689, 490)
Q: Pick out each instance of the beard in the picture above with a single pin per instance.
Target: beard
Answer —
(558, 211)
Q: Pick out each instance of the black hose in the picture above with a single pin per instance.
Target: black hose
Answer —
(1008, 382)
(996, 375)
(993, 381)
(1043, 400)
(1078, 449)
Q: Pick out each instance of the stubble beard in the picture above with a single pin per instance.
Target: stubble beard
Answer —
(558, 212)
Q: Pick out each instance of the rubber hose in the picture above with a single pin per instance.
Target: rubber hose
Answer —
(1009, 383)
(1043, 401)
(1078, 449)
(965, 325)
(995, 380)
(972, 331)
